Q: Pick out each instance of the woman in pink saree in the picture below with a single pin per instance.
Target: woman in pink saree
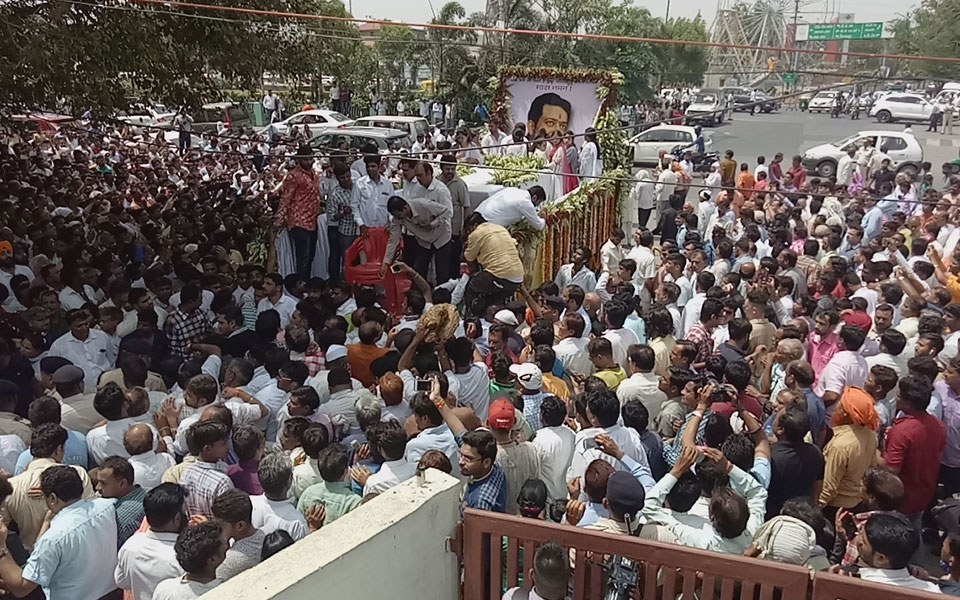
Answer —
(561, 166)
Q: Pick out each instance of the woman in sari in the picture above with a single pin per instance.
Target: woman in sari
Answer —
(560, 166)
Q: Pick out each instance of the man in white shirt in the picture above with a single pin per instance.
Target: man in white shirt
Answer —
(336, 357)
(77, 412)
(846, 167)
(621, 339)
(368, 200)
(665, 186)
(512, 205)
(434, 433)
(761, 167)
(572, 349)
(554, 443)
(643, 384)
(577, 273)
(148, 557)
(691, 312)
(89, 349)
(604, 411)
(274, 509)
(270, 103)
(885, 542)
(148, 465)
(467, 375)
(107, 439)
(611, 253)
(392, 446)
(642, 254)
(276, 299)
(8, 270)
(341, 408)
(494, 142)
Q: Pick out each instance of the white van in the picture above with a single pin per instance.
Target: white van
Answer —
(412, 126)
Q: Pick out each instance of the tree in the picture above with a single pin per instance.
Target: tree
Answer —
(642, 64)
(73, 56)
(930, 30)
(683, 65)
(400, 51)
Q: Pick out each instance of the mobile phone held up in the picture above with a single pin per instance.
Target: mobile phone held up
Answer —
(423, 385)
(396, 268)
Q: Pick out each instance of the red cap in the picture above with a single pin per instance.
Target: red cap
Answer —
(858, 319)
(502, 415)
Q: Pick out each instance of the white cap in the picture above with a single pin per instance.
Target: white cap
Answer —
(506, 317)
(335, 352)
(529, 375)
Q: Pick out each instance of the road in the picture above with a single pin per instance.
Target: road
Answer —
(792, 132)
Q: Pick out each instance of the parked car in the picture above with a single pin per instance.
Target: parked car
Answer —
(412, 126)
(155, 115)
(648, 144)
(901, 107)
(316, 120)
(42, 122)
(354, 137)
(823, 101)
(903, 149)
(743, 100)
(211, 117)
(706, 107)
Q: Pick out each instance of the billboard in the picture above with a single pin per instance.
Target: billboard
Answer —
(553, 106)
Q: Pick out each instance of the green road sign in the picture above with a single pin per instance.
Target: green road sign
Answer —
(845, 31)
(789, 77)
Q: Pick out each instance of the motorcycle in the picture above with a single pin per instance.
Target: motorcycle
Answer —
(701, 162)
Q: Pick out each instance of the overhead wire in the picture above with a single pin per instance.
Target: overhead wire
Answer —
(537, 33)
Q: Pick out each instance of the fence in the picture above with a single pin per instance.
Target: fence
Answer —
(666, 571)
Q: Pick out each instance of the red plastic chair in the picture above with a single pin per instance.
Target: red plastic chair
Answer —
(374, 246)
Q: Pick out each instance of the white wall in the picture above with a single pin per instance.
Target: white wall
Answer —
(394, 546)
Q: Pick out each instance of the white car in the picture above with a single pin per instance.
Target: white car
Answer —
(903, 149)
(706, 107)
(648, 144)
(901, 107)
(823, 101)
(156, 115)
(412, 126)
(316, 120)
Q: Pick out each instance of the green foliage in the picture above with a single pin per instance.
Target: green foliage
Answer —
(930, 30)
(72, 56)
(641, 64)
(681, 64)
(513, 171)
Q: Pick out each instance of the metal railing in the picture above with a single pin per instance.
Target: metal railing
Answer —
(493, 564)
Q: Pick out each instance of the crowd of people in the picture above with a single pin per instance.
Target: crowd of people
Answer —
(771, 371)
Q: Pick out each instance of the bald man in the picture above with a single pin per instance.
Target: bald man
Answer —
(774, 376)
(148, 465)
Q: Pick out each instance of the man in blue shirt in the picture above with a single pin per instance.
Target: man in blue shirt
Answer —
(872, 220)
(487, 488)
(77, 555)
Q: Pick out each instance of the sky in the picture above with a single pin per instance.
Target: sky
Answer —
(419, 11)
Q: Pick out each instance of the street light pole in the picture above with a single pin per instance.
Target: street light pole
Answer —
(796, 55)
(667, 16)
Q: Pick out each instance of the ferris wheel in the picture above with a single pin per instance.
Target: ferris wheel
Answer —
(765, 23)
